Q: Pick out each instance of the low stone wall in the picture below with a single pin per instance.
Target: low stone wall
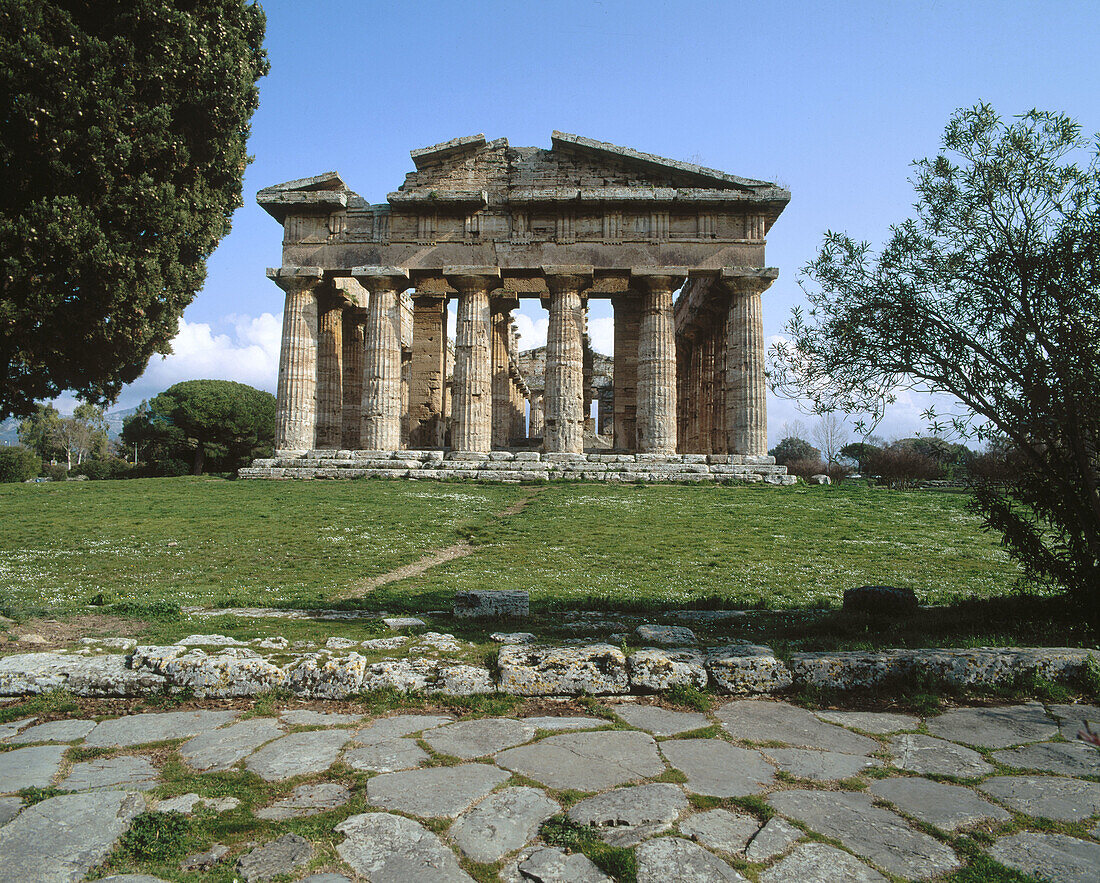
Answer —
(522, 669)
(520, 466)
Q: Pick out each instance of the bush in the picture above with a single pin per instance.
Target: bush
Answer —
(18, 464)
(791, 449)
(837, 472)
(901, 466)
(805, 467)
(98, 470)
(55, 471)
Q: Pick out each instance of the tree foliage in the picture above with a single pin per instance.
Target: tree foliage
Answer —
(791, 448)
(990, 293)
(197, 421)
(18, 464)
(123, 149)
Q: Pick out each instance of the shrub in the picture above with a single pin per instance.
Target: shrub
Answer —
(837, 472)
(98, 470)
(791, 449)
(901, 466)
(805, 467)
(18, 464)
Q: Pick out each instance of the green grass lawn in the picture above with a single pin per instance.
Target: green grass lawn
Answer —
(212, 542)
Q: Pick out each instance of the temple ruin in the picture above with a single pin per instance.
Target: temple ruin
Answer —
(364, 354)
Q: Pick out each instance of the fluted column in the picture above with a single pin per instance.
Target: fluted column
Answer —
(706, 391)
(426, 384)
(625, 370)
(563, 427)
(746, 408)
(351, 425)
(380, 413)
(657, 363)
(330, 372)
(535, 427)
(501, 309)
(296, 398)
(472, 406)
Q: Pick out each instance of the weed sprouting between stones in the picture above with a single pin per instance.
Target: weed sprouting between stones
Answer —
(59, 701)
(34, 794)
(689, 696)
(617, 861)
(156, 836)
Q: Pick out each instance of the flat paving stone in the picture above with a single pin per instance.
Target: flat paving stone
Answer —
(665, 635)
(586, 761)
(477, 738)
(761, 720)
(325, 878)
(823, 766)
(773, 839)
(1048, 797)
(502, 823)
(55, 731)
(298, 754)
(222, 749)
(948, 807)
(307, 800)
(137, 729)
(1072, 718)
(716, 768)
(307, 717)
(721, 829)
(130, 773)
(994, 727)
(386, 728)
(930, 756)
(660, 721)
(820, 863)
(186, 803)
(389, 756)
(675, 860)
(131, 878)
(9, 808)
(436, 792)
(282, 856)
(626, 816)
(1066, 758)
(59, 840)
(32, 767)
(1053, 857)
(550, 865)
(386, 848)
(12, 727)
(876, 834)
(564, 723)
(878, 722)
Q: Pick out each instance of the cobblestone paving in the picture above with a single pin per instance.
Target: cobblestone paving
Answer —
(749, 791)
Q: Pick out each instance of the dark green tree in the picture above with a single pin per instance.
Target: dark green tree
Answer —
(791, 449)
(990, 293)
(122, 141)
(39, 432)
(218, 422)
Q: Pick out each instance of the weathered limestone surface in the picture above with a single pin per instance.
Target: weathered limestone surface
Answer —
(586, 761)
(491, 602)
(718, 769)
(656, 415)
(537, 671)
(380, 412)
(563, 420)
(746, 415)
(472, 408)
(427, 418)
(625, 378)
(295, 400)
(747, 668)
(330, 373)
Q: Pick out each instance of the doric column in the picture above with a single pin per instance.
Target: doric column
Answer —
(426, 419)
(472, 406)
(296, 399)
(330, 371)
(380, 413)
(657, 362)
(535, 428)
(706, 391)
(352, 427)
(746, 408)
(501, 310)
(564, 412)
(625, 370)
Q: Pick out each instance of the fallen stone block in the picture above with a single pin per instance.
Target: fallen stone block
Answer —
(743, 668)
(547, 671)
(492, 603)
(653, 669)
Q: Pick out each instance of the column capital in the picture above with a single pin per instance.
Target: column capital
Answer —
(561, 277)
(658, 278)
(467, 278)
(291, 279)
(748, 280)
(381, 278)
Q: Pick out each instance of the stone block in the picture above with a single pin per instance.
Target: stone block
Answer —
(466, 456)
(502, 455)
(743, 668)
(879, 599)
(528, 456)
(653, 669)
(492, 603)
(534, 671)
(718, 458)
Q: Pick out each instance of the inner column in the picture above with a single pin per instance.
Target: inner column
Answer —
(502, 380)
(563, 426)
(354, 318)
(426, 421)
(657, 365)
(472, 410)
(381, 404)
(330, 371)
(624, 376)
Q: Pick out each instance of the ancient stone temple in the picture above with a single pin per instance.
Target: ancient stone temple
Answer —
(484, 224)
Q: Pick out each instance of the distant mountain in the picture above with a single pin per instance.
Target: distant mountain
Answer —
(9, 429)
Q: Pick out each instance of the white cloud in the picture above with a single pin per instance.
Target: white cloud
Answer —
(532, 330)
(247, 353)
(601, 332)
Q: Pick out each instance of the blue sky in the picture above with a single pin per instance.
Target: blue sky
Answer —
(832, 100)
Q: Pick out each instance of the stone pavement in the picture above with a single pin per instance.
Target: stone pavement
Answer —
(756, 789)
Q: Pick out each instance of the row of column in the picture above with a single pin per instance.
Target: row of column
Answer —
(335, 361)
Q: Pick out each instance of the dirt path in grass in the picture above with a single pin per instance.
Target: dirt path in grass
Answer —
(437, 557)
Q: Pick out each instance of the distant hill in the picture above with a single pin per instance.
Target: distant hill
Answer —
(9, 429)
